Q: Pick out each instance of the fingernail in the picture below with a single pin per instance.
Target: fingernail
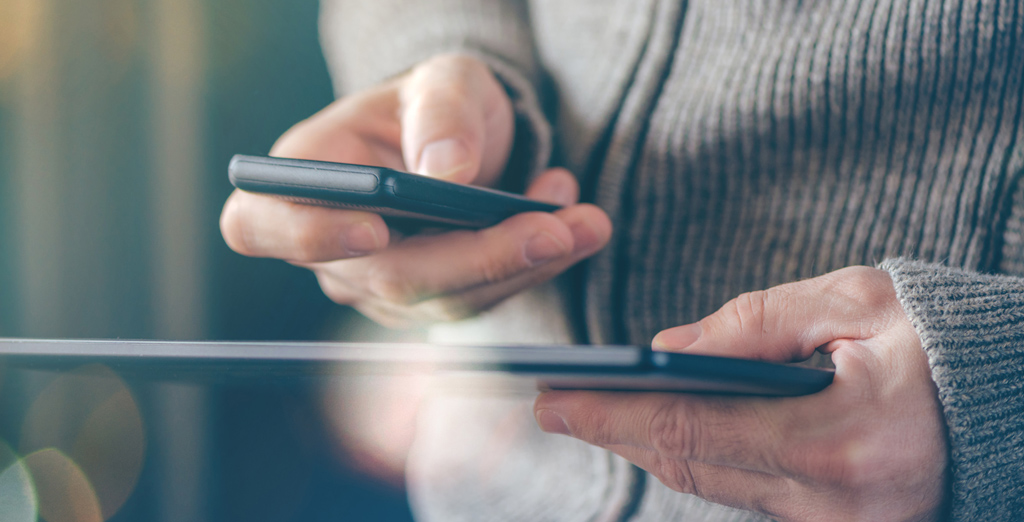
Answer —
(585, 237)
(551, 422)
(677, 338)
(442, 159)
(360, 239)
(544, 247)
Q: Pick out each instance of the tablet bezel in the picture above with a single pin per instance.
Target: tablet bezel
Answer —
(615, 368)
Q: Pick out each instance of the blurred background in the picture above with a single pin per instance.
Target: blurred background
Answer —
(117, 121)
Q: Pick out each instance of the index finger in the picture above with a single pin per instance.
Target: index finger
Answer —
(744, 433)
(264, 226)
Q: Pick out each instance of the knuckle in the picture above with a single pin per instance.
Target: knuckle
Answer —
(508, 246)
(335, 290)
(863, 290)
(492, 269)
(781, 503)
(676, 475)
(848, 463)
(856, 466)
(864, 285)
(830, 467)
(747, 311)
(390, 285)
(670, 433)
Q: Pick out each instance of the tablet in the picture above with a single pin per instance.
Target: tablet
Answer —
(617, 368)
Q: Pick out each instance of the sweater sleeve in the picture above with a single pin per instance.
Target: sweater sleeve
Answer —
(972, 328)
(365, 43)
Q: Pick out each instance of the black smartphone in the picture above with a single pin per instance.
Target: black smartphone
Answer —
(404, 200)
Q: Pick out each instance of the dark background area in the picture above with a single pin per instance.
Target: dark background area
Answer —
(255, 96)
(112, 175)
(266, 74)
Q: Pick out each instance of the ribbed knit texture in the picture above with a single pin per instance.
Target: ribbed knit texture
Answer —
(791, 139)
(972, 328)
(740, 144)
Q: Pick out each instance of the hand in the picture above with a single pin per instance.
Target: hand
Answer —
(448, 118)
(871, 446)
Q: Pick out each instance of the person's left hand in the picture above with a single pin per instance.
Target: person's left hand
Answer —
(871, 446)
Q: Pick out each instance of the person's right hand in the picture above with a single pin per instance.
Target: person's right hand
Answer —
(448, 118)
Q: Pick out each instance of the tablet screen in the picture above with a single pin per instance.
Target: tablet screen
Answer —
(624, 368)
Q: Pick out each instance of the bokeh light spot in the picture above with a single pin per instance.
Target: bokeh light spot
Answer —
(91, 416)
(18, 23)
(374, 418)
(110, 449)
(17, 495)
(63, 491)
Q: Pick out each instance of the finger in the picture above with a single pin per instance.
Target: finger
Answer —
(556, 186)
(739, 488)
(589, 237)
(362, 128)
(739, 433)
(456, 121)
(426, 267)
(447, 308)
(789, 322)
(591, 231)
(262, 226)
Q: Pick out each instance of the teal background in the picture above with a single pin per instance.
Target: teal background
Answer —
(117, 121)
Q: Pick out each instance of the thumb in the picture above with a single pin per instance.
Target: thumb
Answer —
(457, 121)
(789, 322)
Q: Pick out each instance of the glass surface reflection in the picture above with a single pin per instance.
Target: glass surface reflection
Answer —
(117, 119)
(85, 445)
(63, 491)
(17, 493)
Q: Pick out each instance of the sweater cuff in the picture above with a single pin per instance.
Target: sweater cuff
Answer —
(531, 150)
(972, 329)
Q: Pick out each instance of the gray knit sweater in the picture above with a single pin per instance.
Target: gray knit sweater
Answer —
(740, 144)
